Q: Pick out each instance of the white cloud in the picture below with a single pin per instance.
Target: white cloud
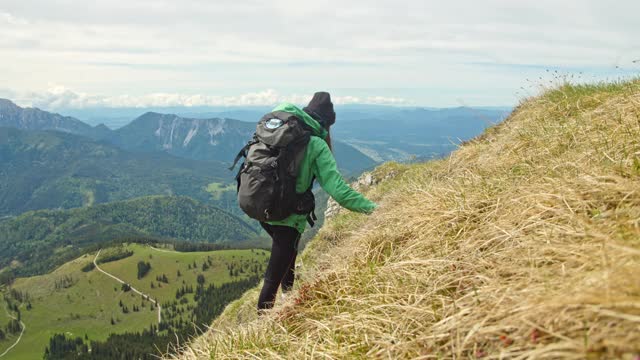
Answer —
(226, 47)
(12, 20)
(57, 97)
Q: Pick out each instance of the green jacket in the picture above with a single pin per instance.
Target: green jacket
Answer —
(318, 161)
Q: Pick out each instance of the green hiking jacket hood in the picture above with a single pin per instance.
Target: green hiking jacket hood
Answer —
(315, 126)
(319, 162)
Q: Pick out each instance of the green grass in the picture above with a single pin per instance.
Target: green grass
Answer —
(4, 318)
(218, 189)
(88, 306)
(163, 262)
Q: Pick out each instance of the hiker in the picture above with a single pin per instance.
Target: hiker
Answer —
(305, 139)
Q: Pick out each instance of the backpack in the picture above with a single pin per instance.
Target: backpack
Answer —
(267, 178)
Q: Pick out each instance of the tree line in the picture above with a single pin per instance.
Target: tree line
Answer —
(43, 239)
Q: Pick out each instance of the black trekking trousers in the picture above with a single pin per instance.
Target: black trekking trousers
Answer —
(281, 268)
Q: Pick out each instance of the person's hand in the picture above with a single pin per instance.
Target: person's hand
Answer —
(375, 206)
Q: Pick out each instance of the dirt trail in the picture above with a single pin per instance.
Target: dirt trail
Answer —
(24, 327)
(95, 262)
(166, 251)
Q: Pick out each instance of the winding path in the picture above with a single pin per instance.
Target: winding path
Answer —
(95, 262)
(24, 327)
(166, 251)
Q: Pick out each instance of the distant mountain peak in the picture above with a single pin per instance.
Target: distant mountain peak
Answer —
(31, 118)
(202, 139)
(152, 114)
(6, 103)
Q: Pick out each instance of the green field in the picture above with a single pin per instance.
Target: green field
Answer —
(80, 303)
(4, 318)
(218, 189)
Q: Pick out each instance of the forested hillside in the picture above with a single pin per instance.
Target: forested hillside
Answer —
(200, 139)
(44, 170)
(521, 244)
(37, 241)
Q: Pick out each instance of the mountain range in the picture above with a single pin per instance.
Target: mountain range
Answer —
(55, 161)
(217, 138)
(14, 116)
(52, 169)
(200, 139)
(421, 133)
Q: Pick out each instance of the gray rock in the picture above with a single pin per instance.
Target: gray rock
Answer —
(365, 181)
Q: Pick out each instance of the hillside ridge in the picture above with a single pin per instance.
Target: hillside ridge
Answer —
(521, 244)
(51, 169)
(32, 118)
(42, 239)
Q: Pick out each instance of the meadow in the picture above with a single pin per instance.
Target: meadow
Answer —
(91, 305)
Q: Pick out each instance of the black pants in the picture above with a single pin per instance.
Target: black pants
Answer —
(281, 268)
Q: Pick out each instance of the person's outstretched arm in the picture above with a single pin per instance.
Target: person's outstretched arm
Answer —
(326, 171)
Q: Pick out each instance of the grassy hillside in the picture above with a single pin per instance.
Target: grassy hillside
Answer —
(37, 241)
(74, 302)
(524, 243)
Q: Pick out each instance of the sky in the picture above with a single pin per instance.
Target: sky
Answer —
(123, 53)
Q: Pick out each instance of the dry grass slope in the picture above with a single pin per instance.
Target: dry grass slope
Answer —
(524, 243)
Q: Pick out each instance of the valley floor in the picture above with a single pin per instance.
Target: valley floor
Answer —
(91, 304)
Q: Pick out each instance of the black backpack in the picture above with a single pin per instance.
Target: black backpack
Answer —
(267, 178)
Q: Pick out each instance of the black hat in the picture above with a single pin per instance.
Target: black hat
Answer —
(321, 109)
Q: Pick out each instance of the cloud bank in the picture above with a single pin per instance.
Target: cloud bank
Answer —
(430, 53)
(60, 97)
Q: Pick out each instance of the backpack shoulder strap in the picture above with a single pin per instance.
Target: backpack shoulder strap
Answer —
(311, 216)
(243, 151)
